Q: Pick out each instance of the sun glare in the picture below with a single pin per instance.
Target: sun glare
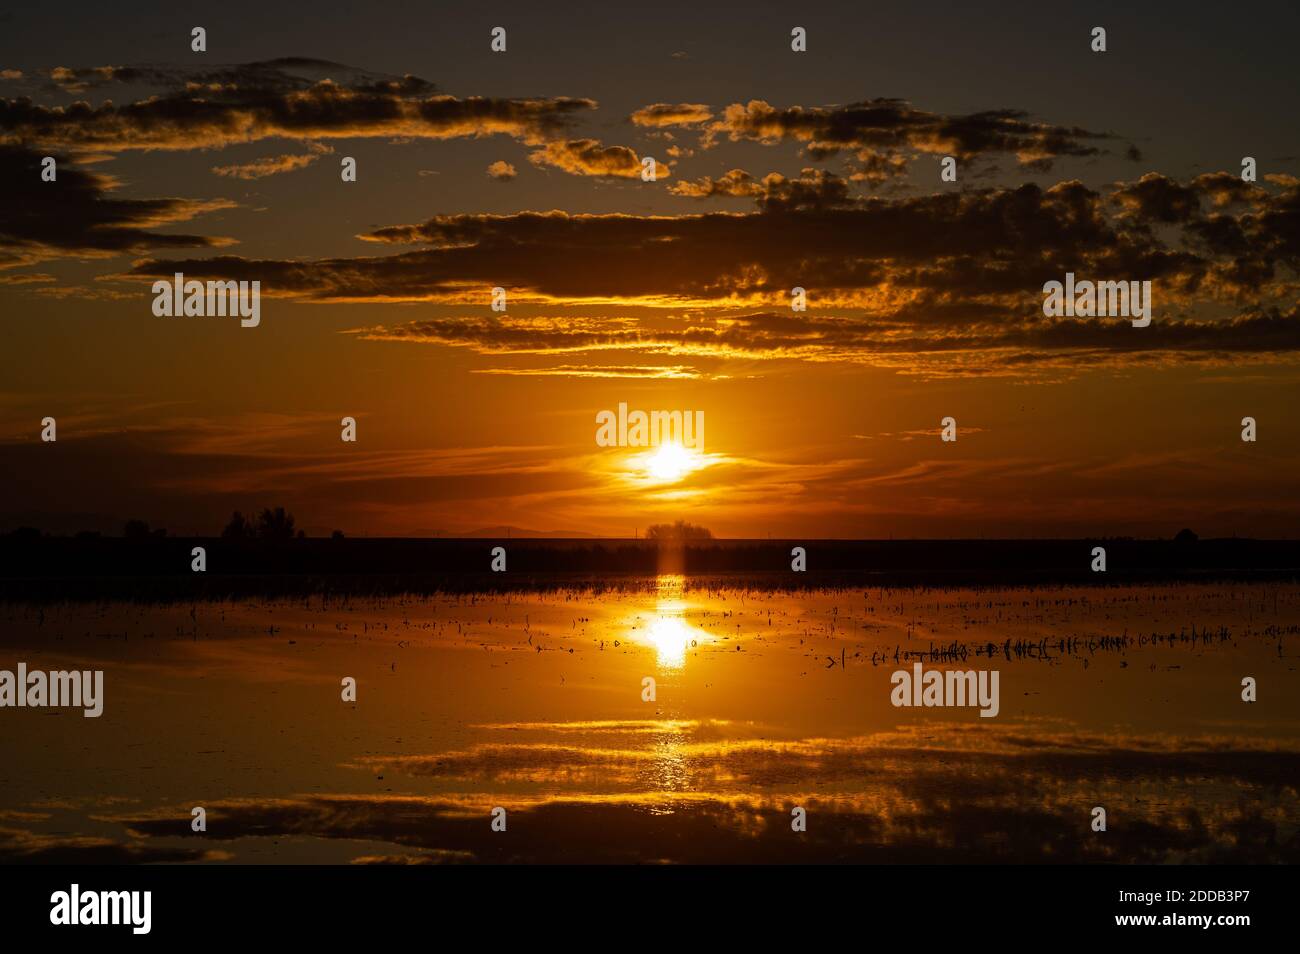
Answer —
(667, 631)
(671, 637)
(670, 462)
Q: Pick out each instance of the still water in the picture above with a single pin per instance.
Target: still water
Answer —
(1127, 699)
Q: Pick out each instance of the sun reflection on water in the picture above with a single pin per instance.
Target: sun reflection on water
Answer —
(670, 637)
(667, 631)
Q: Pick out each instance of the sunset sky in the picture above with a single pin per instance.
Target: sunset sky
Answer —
(777, 169)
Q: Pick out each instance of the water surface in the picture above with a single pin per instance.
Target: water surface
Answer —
(1127, 698)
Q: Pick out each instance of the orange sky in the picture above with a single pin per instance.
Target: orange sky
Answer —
(924, 296)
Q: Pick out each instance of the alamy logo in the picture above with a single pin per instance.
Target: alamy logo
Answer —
(103, 907)
(1098, 300)
(953, 687)
(38, 689)
(639, 429)
(213, 300)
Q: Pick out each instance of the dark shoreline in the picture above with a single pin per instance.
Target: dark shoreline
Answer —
(54, 569)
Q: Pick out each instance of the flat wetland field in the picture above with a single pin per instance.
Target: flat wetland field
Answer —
(769, 696)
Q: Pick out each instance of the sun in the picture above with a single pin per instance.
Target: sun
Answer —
(670, 462)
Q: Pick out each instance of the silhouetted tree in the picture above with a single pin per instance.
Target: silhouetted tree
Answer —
(676, 532)
(136, 530)
(275, 524)
(1186, 536)
(238, 528)
(336, 535)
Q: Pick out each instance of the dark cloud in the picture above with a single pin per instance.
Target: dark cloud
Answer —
(1224, 188)
(273, 165)
(295, 99)
(736, 183)
(279, 75)
(807, 234)
(927, 343)
(875, 168)
(590, 157)
(1243, 230)
(670, 114)
(1158, 199)
(76, 216)
(889, 125)
(947, 272)
(814, 189)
